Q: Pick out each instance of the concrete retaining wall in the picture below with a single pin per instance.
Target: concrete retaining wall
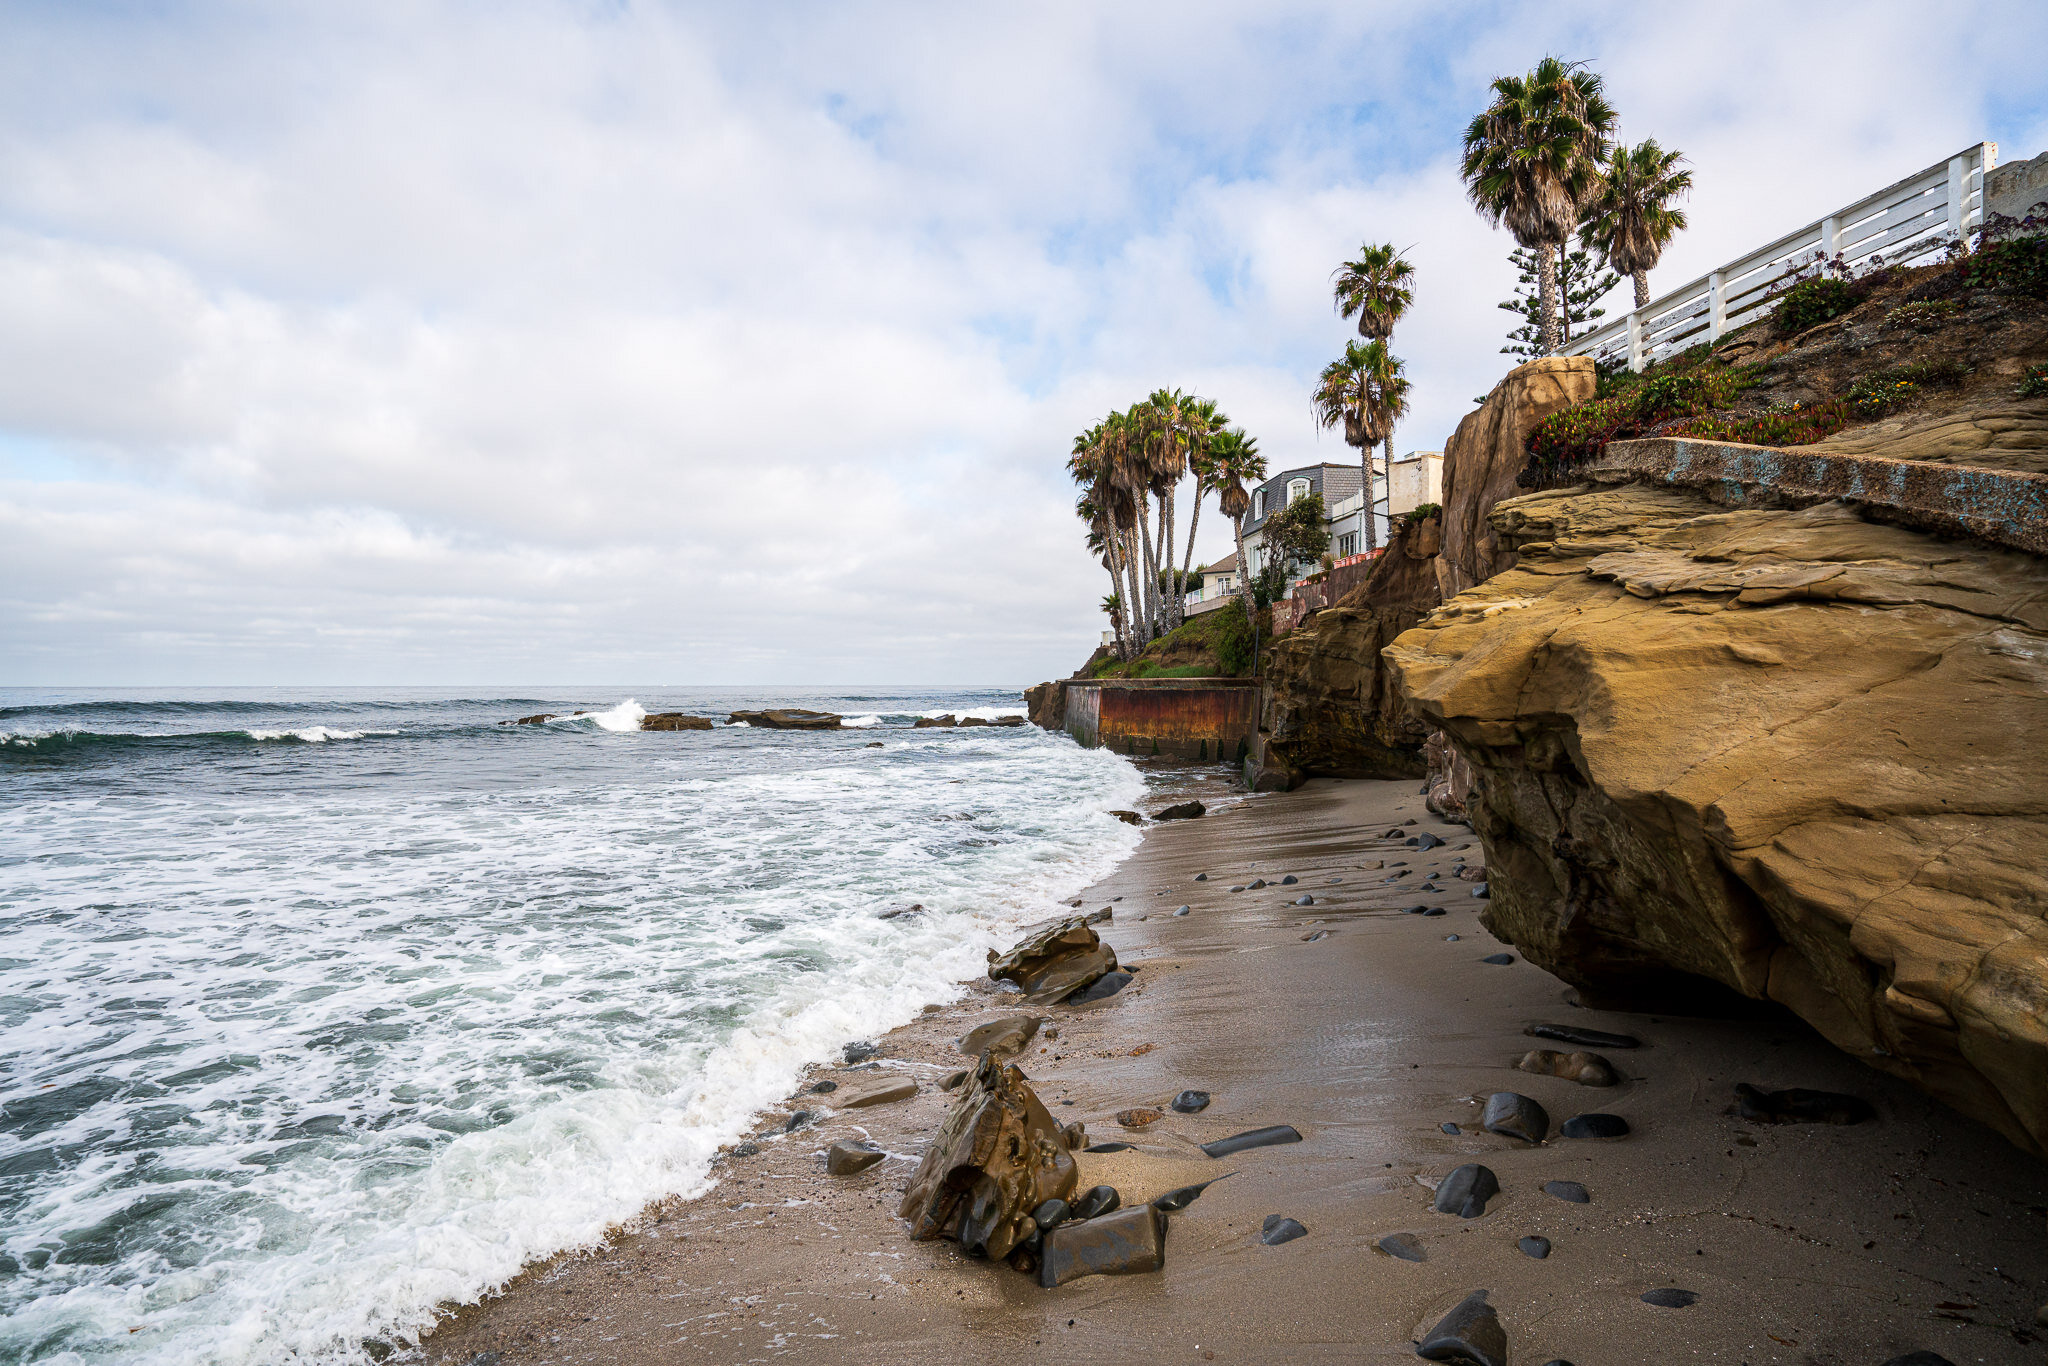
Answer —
(1205, 720)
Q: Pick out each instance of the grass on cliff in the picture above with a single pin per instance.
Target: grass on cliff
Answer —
(1213, 645)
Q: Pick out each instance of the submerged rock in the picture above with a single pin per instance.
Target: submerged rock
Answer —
(997, 1157)
(674, 720)
(1279, 1229)
(1470, 1333)
(1594, 1126)
(1800, 1106)
(1128, 817)
(1585, 1038)
(786, 718)
(1405, 1246)
(1128, 1241)
(1004, 1036)
(1252, 1138)
(1055, 961)
(1587, 1069)
(851, 1158)
(1514, 1115)
(1465, 1191)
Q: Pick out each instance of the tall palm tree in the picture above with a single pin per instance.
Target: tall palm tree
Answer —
(1100, 506)
(1629, 216)
(1379, 288)
(1531, 161)
(1166, 453)
(1128, 463)
(1235, 462)
(1202, 423)
(1365, 392)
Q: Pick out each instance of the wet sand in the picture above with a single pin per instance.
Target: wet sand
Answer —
(1805, 1244)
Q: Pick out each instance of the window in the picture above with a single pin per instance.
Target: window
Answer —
(1347, 544)
(1258, 505)
(1297, 488)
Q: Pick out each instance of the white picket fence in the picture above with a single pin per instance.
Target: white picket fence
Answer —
(1903, 222)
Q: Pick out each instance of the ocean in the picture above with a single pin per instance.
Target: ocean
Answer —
(321, 1008)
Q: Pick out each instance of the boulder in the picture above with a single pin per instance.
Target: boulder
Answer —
(930, 722)
(1046, 705)
(787, 718)
(997, 1157)
(1770, 752)
(851, 1158)
(1182, 811)
(1470, 1334)
(1003, 1037)
(1513, 1115)
(1055, 961)
(674, 720)
(1109, 1245)
(1128, 817)
(538, 718)
(1465, 1191)
(881, 1093)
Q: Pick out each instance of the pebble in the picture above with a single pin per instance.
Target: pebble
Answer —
(1670, 1298)
(1201, 877)
(1433, 910)
(824, 1088)
(798, 1120)
(1515, 1115)
(1585, 1038)
(1450, 1128)
(1594, 1126)
(745, 1149)
(1415, 910)
(1097, 1200)
(1465, 1191)
(1252, 1138)
(851, 1158)
(1107, 1148)
(1304, 901)
(1470, 1333)
(1191, 1102)
(1569, 1191)
(1139, 1117)
(859, 1051)
(1427, 841)
(1921, 1358)
(1289, 880)
(1450, 939)
(1800, 1106)
(1180, 910)
(1479, 890)
(1237, 889)
(1499, 960)
(1312, 938)
(1255, 884)
(1405, 1246)
(1184, 1196)
(1280, 1229)
(1534, 1246)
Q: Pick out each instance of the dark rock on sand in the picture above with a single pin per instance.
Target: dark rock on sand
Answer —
(1255, 884)
(1534, 1246)
(1465, 1191)
(1007, 1035)
(1482, 892)
(787, 718)
(1304, 901)
(674, 720)
(1515, 1115)
(1585, 1038)
(1180, 910)
(1415, 910)
(1191, 1102)
(881, 1093)
(1289, 880)
(1921, 1358)
(1594, 1126)
(1800, 1106)
(1427, 841)
(859, 1051)
(953, 1080)
(851, 1158)
(1432, 910)
(1252, 1138)
(1182, 1197)
(1096, 1201)
(826, 1088)
(1670, 1298)
(1128, 817)
(1056, 961)
(1587, 1069)
(1237, 889)
(1450, 1128)
(1107, 1148)
(799, 1120)
(1280, 1229)
(1052, 1213)
(1499, 960)
(1104, 987)
(1182, 811)
(1201, 877)
(1110, 1245)
(1470, 1333)
(1405, 1246)
(997, 1157)
(1141, 1117)
(745, 1150)
(1569, 1191)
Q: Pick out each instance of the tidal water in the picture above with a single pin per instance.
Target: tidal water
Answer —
(321, 1008)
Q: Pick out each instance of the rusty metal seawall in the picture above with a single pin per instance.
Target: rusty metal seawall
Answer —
(1203, 719)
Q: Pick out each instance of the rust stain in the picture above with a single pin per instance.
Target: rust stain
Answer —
(1212, 724)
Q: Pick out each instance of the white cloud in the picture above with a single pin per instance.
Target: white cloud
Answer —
(404, 344)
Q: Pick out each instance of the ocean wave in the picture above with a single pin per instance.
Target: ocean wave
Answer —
(314, 735)
(860, 722)
(626, 716)
(59, 741)
(983, 713)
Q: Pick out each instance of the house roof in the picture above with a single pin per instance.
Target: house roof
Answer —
(1334, 482)
(1226, 565)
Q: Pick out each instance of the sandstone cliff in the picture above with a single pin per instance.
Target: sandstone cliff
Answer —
(1487, 453)
(1793, 753)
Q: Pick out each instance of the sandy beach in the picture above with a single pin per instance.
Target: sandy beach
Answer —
(1368, 1029)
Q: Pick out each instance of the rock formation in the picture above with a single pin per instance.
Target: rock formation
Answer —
(778, 718)
(674, 720)
(1789, 752)
(1055, 961)
(998, 1157)
(1047, 705)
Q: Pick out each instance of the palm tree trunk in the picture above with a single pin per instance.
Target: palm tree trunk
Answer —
(1549, 336)
(1371, 537)
(1642, 279)
(1187, 563)
(1116, 590)
(1134, 600)
(1244, 568)
(1151, 599)
(1172, 592)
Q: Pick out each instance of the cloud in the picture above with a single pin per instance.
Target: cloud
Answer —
(566, 342)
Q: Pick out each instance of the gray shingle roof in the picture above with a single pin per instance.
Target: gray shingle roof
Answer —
(1335, 482)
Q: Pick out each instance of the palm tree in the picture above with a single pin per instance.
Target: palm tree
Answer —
(1365, 392)
(1202, 423)
(1378, 288)
(1235, 462)
(1532, 159)
(1630, 218)
(1106, 506)
(1128, 465)
(1166, 454)
(1113, 605)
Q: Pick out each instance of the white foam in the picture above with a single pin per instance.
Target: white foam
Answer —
(860, 722)
(313, 735)
(984, 713)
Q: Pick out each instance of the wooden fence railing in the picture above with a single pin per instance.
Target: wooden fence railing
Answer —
(1902, 222)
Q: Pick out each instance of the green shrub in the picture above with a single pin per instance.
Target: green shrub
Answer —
(1813, 301)
(2016, 264)
(1888, 391)
(1233, 638)
(2034, 384)
(1923, 315)
(1570, 438)
(1421, 512)
(1781, 424)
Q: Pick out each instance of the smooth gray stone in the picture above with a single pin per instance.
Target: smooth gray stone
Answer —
(1570, 1191)
(1499, 960)
(1051, 1212)
(1470, 1333)
(1670, 1298)
(1191, 1102)
(1434, 910)
(1304, 901)
(850, 1158)
(1585, 1038)
(1289, 880)
(1252, 1138)
(1280, 1229)
(1425, 840)
(1112, 1245)
(1107, 1148)
(1201, 877)
(1237, 889)
(1008, 1034)
(1450, 1129)
(1450, 939)
(1183, 1196)
(1482, 891)
(1594, 1126)
(1465, 1191)
(1534, 1246)
(1104, 987)
(1182, 910)
(1096, 1201)
(1405, 1246)
(1515, 1115)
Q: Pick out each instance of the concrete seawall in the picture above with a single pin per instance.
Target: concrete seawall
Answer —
(1207, 720)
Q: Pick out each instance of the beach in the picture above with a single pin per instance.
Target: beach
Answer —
(1368, 1028)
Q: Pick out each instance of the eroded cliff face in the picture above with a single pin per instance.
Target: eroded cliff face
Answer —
(1486, 454)
(1791, 752)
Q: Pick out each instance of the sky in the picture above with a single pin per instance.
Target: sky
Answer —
(519, 342)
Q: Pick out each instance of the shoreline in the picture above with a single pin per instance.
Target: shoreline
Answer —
(1926, 1233)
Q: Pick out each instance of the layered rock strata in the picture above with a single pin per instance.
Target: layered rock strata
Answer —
(1789, 752)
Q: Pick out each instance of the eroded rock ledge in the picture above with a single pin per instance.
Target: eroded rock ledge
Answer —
(1791, 752)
